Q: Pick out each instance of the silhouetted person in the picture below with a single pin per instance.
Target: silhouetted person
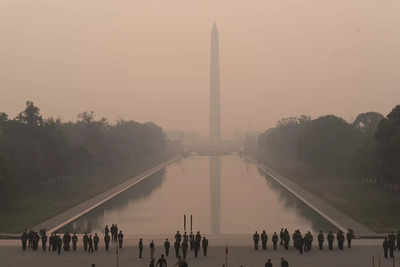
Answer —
(162, 262)
(152, 249)
(167, 245)
(44, 241)
(308, 239)
(349, 237)
(178, 237)
(268, 263)
(191, 238)
(275, 241)
(185, 247)
(281, 236)
(90, 249)
(85, 241)
(398, 240)
(120, 239)
(286, 239)
(112, 230)
(391, 246)
(107, 241)
(106, 230)
(284, 263)
(116, 232)
(30, 239)
(96, 241)
(321, 239)
(340, 239)
(385, 247)
(264, 240)
(67, 241)
(152, 263)
(176, 247)
(74, 241)
(204, 244)
(140, 246)
(330, 240)
(301, 244)
(256, 238)
(59, 244)
(36, 239)
(24, 239)
(196, 247)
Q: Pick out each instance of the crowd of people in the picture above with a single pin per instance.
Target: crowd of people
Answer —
(303, 243)
(194, 243)
(390, 244)
(57, 242)
(183, 245)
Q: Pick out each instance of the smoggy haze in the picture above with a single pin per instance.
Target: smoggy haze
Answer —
(149, 60)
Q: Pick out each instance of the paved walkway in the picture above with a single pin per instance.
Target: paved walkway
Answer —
(331, 214)
(74, 213)
(359, 255)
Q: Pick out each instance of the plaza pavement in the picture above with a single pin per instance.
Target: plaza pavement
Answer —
(240, 253)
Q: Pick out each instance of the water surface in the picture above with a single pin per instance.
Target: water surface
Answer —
(224, 194)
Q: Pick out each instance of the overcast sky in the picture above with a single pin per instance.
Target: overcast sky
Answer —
(148, 60)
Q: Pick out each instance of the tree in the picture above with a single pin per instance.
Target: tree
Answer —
(31, 115)
(368, 122)
(3, 117)
(388, 146)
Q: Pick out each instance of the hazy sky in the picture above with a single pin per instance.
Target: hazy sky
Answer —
(148, 60)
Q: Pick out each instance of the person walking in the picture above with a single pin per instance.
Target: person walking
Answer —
(321, 240)
(204, 244)
(167, 245)
(140, 246)
(185, 247)
(85, 241)
(44, 241)
(90, 250)
(268, 263)
(349, 237)
(256, 238)
(59, 244)
(96, 241)
(107, 241)
(284, 263)
(162, 262)
(74, 241)
(152, 250)
(385, 247)
(176, 247)
(24, 239)
(120, 239)
(264, 240)
(275, 241)
(330, 240)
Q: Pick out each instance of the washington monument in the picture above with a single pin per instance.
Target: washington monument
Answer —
(214, 88)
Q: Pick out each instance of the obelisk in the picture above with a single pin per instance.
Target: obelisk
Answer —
(214, 89)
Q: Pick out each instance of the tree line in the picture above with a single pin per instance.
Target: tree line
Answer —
(368, 148)
(35, 151)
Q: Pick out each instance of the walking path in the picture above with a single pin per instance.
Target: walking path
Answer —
(327, 211)
(359, 255)
(55, 223)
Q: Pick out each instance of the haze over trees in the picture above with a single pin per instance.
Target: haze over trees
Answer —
(39, 155)
(368, 148)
